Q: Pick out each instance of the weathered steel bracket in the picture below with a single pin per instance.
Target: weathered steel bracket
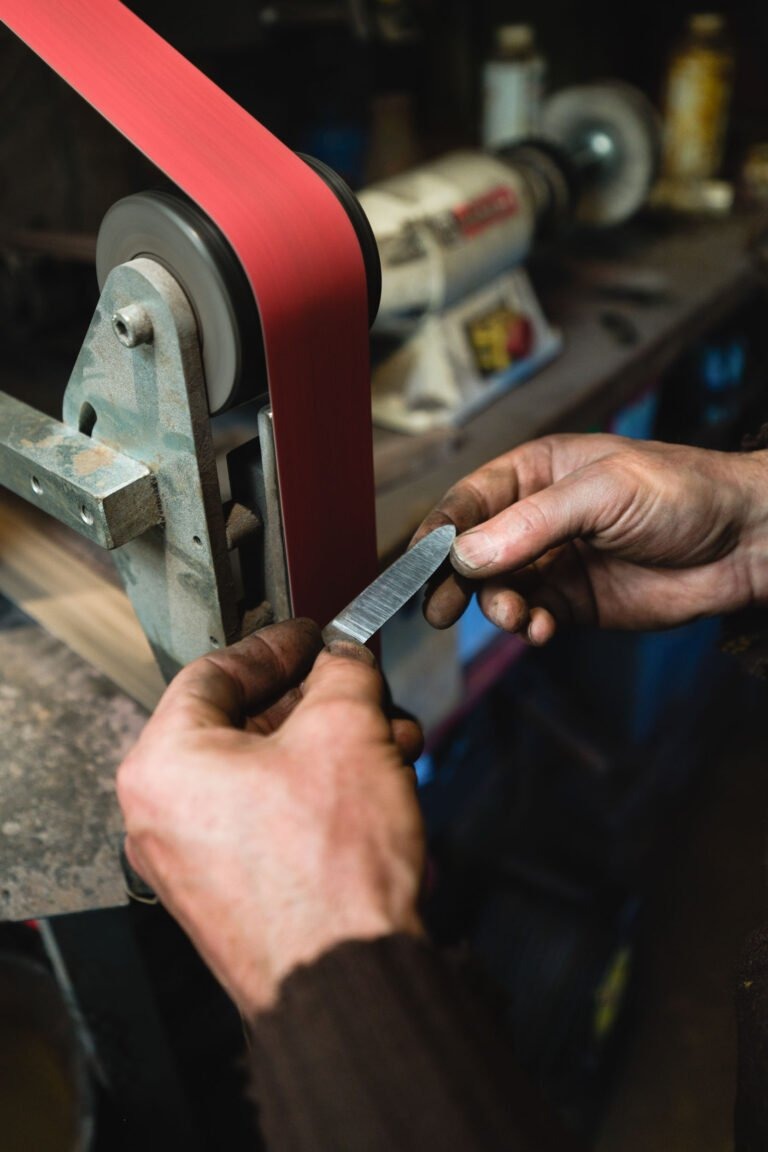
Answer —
(276, 586)
(138, 388)
(133, 469)
(253, 480)
(100, 493)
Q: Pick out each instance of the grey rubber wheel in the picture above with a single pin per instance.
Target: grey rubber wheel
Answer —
(174, 232)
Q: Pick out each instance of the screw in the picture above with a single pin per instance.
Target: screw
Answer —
(132, 325)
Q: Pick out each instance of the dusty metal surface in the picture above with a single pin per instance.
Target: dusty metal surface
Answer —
(102, 494)
(63, 730)
(275, 569)
(148, 400)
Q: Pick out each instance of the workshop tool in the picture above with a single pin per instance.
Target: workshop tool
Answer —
(257, 291)
(359, 622)
(456, 303)
(377, 603)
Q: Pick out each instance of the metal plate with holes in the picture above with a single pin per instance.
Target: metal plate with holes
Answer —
(138, 387)
(102, 494)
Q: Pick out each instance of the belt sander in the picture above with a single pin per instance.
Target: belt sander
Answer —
(254, 285)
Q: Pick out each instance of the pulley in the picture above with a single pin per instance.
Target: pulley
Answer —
(173, 231)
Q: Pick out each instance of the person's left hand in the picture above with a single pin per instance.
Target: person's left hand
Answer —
(273, 817)
(602, 530)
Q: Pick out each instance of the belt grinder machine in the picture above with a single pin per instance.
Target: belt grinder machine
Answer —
(188, 326)
(175, 341)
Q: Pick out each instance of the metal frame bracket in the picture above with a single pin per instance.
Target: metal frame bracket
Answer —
(138, 386)
(102, 494)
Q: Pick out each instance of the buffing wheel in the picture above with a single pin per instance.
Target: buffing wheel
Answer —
(177, 235)
(611, 135)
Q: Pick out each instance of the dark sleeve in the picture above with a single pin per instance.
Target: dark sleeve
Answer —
(381, 1045)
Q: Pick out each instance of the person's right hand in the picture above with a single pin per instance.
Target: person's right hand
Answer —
(603, 530)
(270, 806)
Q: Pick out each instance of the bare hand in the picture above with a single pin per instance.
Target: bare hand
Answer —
(606, 531)
(276, 818)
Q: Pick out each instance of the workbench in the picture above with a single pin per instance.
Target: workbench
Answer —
(627, 307)
(64, 729)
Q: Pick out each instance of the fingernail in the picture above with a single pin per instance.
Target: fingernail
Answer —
(351, 650)
(474, 549)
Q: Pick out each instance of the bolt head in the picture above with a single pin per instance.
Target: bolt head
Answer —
(132, 325)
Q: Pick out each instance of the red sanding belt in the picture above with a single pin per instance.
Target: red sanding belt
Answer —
(298, 250)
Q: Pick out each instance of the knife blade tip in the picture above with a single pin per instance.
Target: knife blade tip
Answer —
(446, 532)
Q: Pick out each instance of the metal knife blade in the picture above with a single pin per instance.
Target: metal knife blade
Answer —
(380, 600)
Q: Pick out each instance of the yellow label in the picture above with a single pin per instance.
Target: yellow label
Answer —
(499, 338)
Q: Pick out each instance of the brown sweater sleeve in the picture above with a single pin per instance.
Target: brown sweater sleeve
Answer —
(380, 1045)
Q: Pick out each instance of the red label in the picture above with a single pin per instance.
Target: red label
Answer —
(491, 208)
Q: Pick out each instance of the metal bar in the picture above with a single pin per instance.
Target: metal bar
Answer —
(276, 575)
(102, 494)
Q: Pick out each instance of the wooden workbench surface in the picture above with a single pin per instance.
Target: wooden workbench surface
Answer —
(627, 305)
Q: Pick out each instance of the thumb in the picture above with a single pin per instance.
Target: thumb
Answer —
(576, 506)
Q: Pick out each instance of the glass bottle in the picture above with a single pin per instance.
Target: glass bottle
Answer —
(513, 82)
(696, 100)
